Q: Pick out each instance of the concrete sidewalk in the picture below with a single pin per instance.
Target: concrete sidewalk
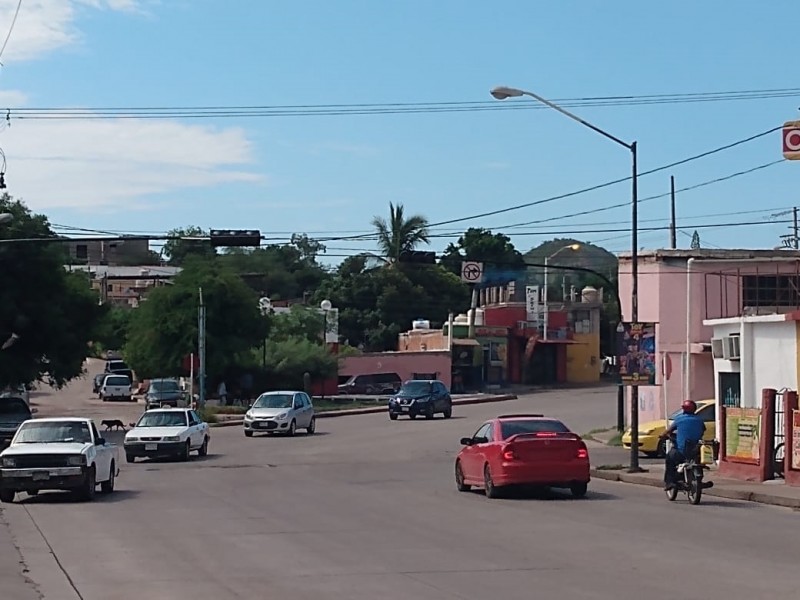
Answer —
(233, 420)
(774, 492)
(15, 585)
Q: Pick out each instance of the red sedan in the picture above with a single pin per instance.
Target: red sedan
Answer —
(523, 450)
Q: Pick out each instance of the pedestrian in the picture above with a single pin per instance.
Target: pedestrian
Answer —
(222, 392)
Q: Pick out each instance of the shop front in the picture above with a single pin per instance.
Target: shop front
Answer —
(494, 343)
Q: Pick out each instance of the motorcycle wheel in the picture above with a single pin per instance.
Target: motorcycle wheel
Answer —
(695, 491)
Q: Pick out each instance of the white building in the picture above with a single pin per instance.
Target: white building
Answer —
(751, 354)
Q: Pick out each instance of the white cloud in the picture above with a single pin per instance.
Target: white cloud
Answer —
(12, 98)
(101, 163)
(47, 25)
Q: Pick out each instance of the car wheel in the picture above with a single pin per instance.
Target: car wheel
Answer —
(292, 428)
(108, 486)
(184, 456)
(87, 491)
(578, 489)
(462, 487)
(448, 412)
(412, 416)
(33, 492)
(393, 416)
(488, 484)
(203, 451)
(248, 433)
(312, 426)
(429, 413)
(130, 458)
(7, 496)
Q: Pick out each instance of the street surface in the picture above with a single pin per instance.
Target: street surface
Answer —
(367, 508)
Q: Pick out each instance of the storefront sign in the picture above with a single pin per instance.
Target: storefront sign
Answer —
(636, 351)
(742, 435)
(491, 332)
(532, 302)
(796, 440)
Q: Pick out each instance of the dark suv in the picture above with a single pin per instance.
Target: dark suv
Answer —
(13, 413)
(371, 384)
(421, 397)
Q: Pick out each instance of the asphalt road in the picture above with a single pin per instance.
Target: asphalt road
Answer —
(367, 508)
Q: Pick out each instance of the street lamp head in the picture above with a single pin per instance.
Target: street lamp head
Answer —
(6, 218)
(503, 92)
(574, 246)
(326, 305)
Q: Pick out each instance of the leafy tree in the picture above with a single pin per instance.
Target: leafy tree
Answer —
(495, 250)
(178, 250)
(148, 258)
(164, 328)
(301, 322)
(400, 234)
(289, 358)
(47, 315)
(112, 331)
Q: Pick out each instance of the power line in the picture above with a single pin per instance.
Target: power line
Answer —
(10, 29)
(164, 112)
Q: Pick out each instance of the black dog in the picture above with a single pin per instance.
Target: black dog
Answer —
(112, 423)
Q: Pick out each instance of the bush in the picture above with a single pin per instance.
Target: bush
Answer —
(289, 359)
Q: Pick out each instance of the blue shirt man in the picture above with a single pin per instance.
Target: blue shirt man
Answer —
(688, 429)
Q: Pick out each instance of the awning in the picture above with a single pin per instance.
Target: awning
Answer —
(465, 342)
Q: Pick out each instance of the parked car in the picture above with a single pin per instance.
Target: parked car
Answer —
(523, 450)
(58, 454)
(97, 383)
(18, 391)
(167, 432)
(652, 446)
(119, 367)
(371, 384)
(280, 412)
(13, 413)
(420, 397)
(165, 392)
(116, 387)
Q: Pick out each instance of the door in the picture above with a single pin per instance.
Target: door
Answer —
(102, 457)
(442, 396)
(300, 411)
(195, 429)
(471, 460)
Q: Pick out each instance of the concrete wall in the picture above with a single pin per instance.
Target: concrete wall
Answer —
(405, 364)
(422, 340)
(583, 358)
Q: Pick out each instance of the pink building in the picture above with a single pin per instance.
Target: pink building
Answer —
(431, 364)
(679, 289)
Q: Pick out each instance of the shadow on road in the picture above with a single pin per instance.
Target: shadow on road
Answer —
(524, 493)
(299, 435)
(69, 498)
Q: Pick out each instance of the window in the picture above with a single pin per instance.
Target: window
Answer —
(95, 433)
(483, 431)
(771, 290)
(82, 251)
(273, 401)
(708, 413)
(517, 426)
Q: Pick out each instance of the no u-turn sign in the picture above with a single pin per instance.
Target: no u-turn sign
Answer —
(791, 140)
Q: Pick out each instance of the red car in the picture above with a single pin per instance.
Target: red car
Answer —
(523, 450)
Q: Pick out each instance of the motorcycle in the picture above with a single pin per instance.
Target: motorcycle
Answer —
(691, 474)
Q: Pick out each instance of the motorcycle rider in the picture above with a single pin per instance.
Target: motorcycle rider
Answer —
(688, 429)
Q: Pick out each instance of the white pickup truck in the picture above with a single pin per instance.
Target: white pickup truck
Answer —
(58, 454)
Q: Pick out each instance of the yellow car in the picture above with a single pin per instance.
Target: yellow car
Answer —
(650, 444)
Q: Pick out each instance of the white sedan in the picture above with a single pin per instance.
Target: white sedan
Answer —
(173, 432)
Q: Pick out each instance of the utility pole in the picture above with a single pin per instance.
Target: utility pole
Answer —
(201, 346)
(673, 231)
(795, 240)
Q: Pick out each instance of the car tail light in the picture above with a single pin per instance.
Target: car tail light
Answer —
(546, 434)
(508, 453)
(583, 452)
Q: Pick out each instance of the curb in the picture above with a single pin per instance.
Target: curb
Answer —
(730, 494)
(331, 414)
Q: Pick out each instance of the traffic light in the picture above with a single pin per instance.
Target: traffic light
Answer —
(235, 237)
(418, 257)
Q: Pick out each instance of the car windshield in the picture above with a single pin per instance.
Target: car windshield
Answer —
(14, 406)
(517, 426)
(164, 385)
(37, 432)
(118, 380)
(274, 401)
(156, 418)
(416, 388)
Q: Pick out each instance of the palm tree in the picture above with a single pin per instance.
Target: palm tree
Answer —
(399, 234)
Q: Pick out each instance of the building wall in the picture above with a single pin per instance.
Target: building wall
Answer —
(583, 362)
(405, 364)
(422, 340)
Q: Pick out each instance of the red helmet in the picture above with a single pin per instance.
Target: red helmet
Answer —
(689, 406)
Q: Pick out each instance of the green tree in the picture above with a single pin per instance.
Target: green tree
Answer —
(112, 330)
(48, 316)
(177, 251)
(288, 359)
(495, 250)
(164, 328)
(400, 234)
(300, 322)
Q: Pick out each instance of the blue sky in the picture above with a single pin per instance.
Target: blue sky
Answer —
(329, 175)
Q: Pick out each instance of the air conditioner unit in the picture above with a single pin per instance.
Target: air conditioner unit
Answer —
(716, 348)
(730, 347)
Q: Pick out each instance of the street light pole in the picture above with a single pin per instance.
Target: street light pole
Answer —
(546, 289)
(502, 93)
